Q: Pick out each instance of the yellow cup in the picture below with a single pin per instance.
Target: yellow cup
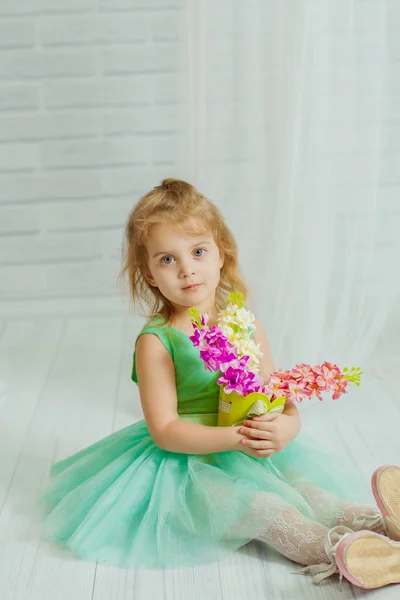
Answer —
(233, 408)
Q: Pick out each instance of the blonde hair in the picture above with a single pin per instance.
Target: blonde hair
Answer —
(175, 202)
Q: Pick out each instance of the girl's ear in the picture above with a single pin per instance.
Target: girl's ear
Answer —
(149, 279)
(221, 260)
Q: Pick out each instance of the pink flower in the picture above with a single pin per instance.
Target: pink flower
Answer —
(341, 390)
(296, 384)
(276, 386)
(301, 371)
(296, 391)
(306, 381)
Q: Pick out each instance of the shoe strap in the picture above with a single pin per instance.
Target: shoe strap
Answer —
(324, 570)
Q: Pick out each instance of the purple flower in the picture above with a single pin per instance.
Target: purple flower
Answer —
(236, 363)
(215, 359)
(219, 354)
(196, 337)
(204, 319)
(241, 381)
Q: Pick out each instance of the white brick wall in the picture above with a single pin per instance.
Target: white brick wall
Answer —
(94, 112)
(94, 29)
(17, 34)
(19, 97)
(84, 124)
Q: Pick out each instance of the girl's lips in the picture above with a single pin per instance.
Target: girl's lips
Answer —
(192, 287)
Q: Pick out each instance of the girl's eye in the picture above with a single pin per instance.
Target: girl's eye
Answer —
(163, 261)
(164, 257)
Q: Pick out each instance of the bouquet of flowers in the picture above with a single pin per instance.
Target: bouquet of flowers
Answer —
(244, 393)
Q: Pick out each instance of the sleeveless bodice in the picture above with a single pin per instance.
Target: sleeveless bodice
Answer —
(196, 387)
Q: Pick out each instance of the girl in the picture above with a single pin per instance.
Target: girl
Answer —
(174, 489)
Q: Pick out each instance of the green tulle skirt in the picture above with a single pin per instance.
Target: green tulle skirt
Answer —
(126, 502)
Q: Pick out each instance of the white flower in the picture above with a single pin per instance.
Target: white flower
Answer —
(245, 318)
(251, 349)
(237, 323)
(232, 315)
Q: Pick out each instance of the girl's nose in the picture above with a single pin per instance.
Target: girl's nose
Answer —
(187, 269)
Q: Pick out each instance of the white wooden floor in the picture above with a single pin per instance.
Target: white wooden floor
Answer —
(65, 383)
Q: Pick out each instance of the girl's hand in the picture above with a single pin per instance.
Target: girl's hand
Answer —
(268, 434)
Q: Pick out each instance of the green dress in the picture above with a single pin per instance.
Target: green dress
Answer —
(126, 502)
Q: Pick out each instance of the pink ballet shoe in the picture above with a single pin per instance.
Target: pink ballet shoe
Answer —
(368, 560)
(386, 489)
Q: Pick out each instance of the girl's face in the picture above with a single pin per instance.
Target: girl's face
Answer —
(178, 260)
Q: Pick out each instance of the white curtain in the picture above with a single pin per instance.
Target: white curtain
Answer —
(294, 132)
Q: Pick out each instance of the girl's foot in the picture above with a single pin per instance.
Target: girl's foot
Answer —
(386, 489)
(368, 560)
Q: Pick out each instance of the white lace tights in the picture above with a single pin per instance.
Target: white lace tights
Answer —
(303, 540)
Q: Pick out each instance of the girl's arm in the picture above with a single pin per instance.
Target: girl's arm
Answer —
(157, 388)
